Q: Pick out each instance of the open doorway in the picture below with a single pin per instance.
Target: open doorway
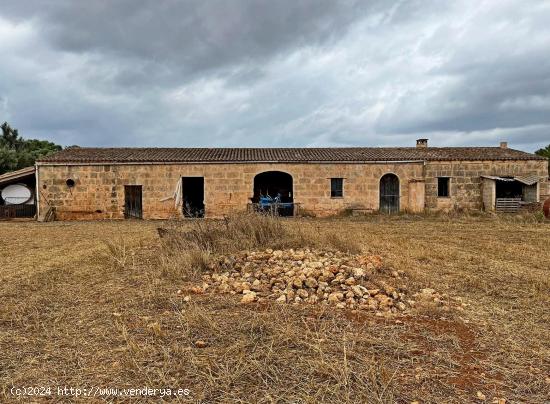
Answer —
(513, 193)
(508, 188)
(510, 194)
(192, 196)
(133, 202)
(273, 190)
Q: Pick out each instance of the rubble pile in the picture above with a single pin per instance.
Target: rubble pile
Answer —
(309, 276)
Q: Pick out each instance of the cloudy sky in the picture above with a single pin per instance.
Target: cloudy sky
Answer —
(277, 73)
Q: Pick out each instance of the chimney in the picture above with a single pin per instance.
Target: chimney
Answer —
(421, 142)
(503, 145)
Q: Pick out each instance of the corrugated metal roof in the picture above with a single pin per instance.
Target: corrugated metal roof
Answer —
(531, 179)
(14, 175)
(283, 155)
(496, 178)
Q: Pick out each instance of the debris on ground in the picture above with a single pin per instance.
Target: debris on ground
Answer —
(201, 344)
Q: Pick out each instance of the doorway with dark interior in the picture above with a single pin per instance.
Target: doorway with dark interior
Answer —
(192, 192)
(273, 190)
(509, 188)
(133, 208)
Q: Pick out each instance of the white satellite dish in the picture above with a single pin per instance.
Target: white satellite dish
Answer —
(16, 194)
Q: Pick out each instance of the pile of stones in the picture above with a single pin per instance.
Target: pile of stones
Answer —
(302, 276)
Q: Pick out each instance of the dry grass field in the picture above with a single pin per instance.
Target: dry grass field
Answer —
(97, 304)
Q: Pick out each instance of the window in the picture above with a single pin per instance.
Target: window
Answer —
(336, 187)
(443, 187)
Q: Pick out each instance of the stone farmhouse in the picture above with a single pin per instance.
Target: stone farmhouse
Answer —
(161, 183)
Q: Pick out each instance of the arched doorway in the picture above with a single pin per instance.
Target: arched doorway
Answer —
(389, 193)
(274, 188)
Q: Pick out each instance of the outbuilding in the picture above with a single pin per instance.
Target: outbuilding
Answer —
(161, 183)
(17, 194)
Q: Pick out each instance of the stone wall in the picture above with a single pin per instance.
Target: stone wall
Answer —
(466, 181)
(489, 192)
(99, 190)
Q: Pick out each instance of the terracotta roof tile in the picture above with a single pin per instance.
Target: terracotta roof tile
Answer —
(283, 155)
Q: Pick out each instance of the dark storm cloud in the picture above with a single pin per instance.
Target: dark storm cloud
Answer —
(188, 37)
(277, 73)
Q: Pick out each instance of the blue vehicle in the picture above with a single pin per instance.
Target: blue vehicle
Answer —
(267, 203)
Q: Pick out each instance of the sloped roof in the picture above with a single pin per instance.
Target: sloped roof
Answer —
(282, 155)
(15, 175)
(526, 179)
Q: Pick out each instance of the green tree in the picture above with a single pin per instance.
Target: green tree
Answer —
(545, 152)
(8, 160)
(16, 152)
(10, 138)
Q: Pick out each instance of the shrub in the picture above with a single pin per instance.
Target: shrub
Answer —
(194, 247)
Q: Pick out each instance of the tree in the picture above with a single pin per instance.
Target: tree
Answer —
(8, 160)
(10, 138)
(545, 152)
(16, 152)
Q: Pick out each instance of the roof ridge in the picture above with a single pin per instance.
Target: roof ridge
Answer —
(73, 148)
(281, 154)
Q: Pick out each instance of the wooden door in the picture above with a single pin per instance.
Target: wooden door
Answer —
(389, 193)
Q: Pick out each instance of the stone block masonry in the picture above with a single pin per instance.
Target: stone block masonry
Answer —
(466, 184)
(98, 191)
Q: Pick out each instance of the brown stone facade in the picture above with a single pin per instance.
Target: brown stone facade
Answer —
(466, 183)
(98, 191)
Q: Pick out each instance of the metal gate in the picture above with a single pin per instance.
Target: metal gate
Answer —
(17, 211)
(508, 205)
(132, 202)
(389, 193)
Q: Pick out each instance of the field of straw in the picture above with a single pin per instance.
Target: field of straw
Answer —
(96, 305)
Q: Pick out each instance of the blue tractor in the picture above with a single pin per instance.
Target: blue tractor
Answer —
(272, 205)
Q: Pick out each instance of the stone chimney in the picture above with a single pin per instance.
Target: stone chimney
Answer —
(421, 142)
(503, 145)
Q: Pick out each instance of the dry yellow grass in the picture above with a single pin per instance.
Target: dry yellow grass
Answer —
(96, 304)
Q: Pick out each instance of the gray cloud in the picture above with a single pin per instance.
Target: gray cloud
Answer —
(276, 73)
(188, 38)
(495, 76)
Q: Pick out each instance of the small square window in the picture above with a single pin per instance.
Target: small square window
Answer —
(443, 187)
(336, 187)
